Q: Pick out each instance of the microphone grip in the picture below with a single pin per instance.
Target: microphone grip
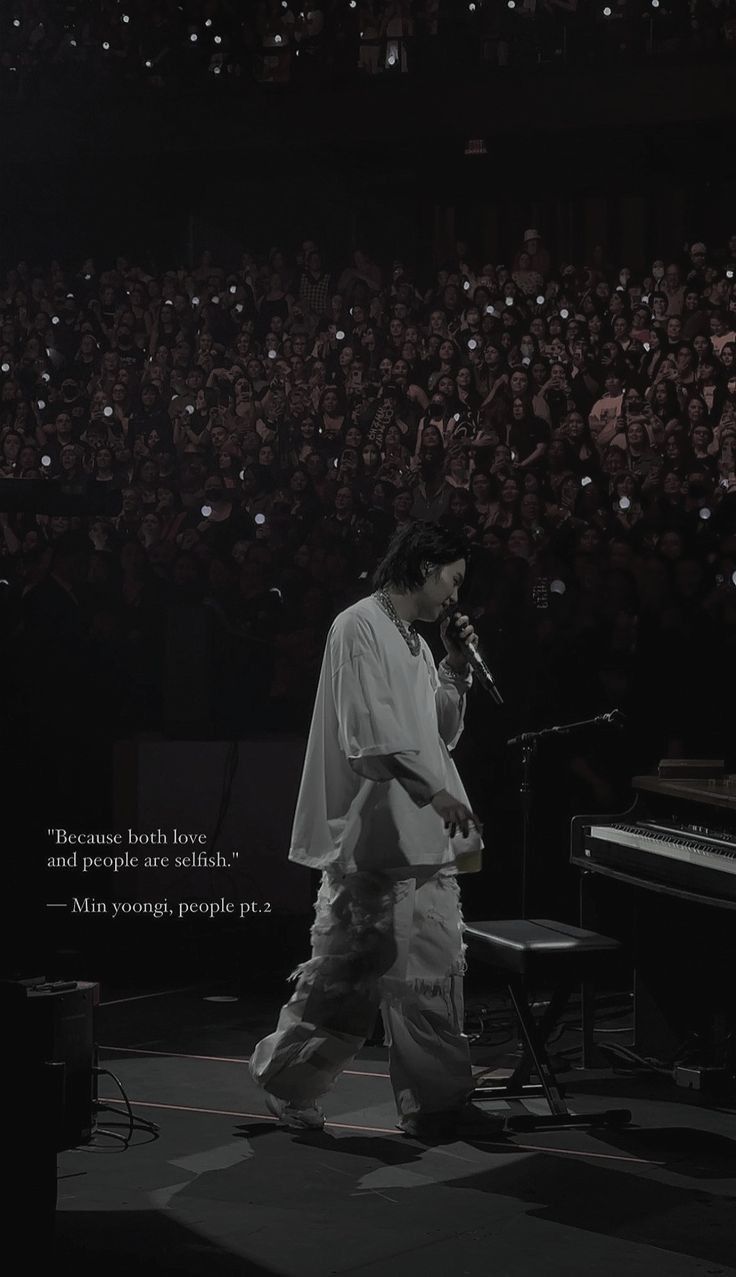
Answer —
(477, 664)
(483, 674)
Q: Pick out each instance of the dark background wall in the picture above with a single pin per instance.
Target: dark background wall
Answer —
(636, 157)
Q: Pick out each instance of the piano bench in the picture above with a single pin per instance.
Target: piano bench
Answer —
(540, 951)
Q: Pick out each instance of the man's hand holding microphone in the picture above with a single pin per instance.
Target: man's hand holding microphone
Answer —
(456, 631)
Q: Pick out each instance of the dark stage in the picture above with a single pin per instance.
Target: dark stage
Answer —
(223, 1190)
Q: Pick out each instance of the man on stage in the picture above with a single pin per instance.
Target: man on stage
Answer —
(383, 814)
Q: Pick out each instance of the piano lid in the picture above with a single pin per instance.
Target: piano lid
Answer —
(717, 792)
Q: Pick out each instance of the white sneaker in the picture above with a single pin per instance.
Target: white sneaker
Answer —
(295, 1118)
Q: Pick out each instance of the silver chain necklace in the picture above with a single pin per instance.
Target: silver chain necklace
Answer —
(408, 633)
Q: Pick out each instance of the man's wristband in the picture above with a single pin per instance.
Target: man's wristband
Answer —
(461, 675)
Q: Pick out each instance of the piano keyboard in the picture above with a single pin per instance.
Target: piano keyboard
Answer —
(657, 840)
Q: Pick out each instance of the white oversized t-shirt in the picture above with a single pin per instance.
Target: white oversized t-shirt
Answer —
(383, 725)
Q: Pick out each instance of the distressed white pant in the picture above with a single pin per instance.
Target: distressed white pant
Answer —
(376, 942)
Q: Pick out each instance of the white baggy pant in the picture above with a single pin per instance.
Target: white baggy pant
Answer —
(377, 943)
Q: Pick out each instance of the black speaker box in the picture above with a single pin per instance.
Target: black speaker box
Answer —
(59, 1047)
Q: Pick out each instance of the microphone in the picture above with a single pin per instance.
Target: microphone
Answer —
(476, 662)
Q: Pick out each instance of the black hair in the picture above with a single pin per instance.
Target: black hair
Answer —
(414, 545)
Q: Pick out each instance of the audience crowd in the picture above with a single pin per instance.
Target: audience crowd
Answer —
(242, 444)
(63, 47)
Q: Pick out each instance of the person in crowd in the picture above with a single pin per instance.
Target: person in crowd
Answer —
(606, 413)
(536, 257)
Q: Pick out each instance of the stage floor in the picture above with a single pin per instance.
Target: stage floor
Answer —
(224, 1190)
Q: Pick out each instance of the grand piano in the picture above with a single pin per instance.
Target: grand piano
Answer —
(662, 878)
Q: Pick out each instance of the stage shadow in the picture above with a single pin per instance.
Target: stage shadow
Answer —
(683, 1150)
(376, 1148)
(621, 1203)
(113, 1242)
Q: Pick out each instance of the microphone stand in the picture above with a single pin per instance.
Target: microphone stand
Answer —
(528, 742)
